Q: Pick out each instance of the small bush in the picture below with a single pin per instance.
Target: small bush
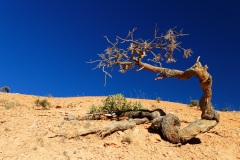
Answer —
(136, 106)
(44, 103)
(94, 109)
(126, 139)
(18, 103)
(153, 107)
(2, 100)
(49, 96)
(115, 103)
(194, 103)
(225, 109)
(118, 102)
(6, 89)
(158, 99)
(9, 104)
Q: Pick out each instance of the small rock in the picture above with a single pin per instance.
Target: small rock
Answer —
(158, 139)
(69, 118)
(121, 133)
(57, 107)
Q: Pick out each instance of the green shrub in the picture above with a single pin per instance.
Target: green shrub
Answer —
(158, 99)
(6, 89)
(94, 109)
(137, 106)
(44, 103)
(115, 103)
(194, 103)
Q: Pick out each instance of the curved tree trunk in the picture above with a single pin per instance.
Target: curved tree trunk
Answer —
(205, 80)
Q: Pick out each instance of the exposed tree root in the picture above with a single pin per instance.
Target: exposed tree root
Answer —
(125, 115)
(197, 127)
(167, 125)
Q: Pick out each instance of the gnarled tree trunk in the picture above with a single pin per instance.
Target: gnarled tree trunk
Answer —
(205, 80)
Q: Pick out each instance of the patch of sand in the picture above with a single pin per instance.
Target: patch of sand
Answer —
(25, 133)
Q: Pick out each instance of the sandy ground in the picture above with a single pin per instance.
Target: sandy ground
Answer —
(26, 133)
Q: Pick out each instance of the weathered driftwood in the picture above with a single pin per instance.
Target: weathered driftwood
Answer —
(121, 126)
(104, 131)
(116, 126)
(195, 128)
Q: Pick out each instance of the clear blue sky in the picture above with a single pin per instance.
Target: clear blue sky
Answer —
(44, 45)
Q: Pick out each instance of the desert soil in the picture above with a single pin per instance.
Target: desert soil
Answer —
(28, 132)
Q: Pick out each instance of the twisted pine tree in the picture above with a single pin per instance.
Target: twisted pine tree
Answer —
(149, 55)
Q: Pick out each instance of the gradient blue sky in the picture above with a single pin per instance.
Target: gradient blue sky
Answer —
(45, 44)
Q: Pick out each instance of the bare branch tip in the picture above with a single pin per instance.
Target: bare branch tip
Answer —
(198, 58)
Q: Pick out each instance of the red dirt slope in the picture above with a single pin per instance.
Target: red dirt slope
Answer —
(26, 133)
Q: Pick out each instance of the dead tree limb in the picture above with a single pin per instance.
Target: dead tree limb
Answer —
(124, 114)
(104, 131)
(120, 126)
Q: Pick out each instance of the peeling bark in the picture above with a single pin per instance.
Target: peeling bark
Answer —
(170, 128)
